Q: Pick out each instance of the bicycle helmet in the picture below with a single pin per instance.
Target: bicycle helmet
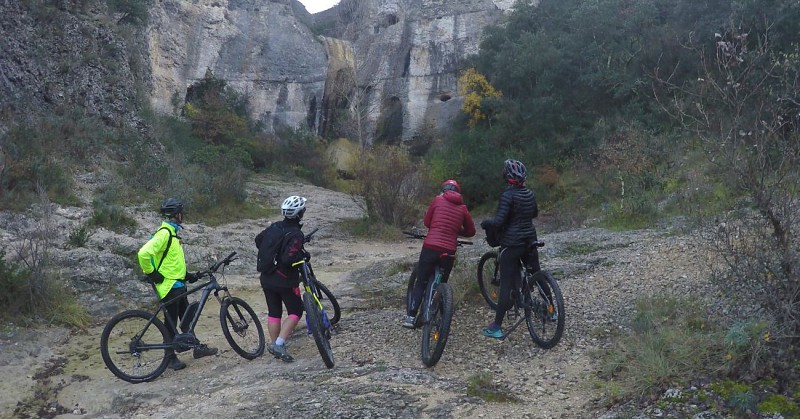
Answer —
(450, 185)
(293, 207)
(514, 172)
(171, 207)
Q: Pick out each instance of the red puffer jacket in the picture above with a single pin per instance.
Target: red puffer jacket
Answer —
(446, 219)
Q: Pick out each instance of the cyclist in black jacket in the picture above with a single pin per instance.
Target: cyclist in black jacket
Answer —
(514, 218)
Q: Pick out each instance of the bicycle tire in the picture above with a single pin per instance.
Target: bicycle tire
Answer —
(328, 301)
(545, 329)
(241, 328)
(488, 278)
(123, 346)
(318, 330)
(437, 330)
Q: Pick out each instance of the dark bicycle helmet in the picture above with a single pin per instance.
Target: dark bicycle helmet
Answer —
(514, 172)
(450, 185)
(293, 207)
(171, 207)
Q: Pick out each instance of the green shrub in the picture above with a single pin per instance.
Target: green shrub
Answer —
(79, 236)
(26, 299)
(112, 217)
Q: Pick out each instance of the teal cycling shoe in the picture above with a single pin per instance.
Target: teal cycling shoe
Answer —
(492, 331)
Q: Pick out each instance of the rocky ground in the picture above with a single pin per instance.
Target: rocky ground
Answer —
(378, 374)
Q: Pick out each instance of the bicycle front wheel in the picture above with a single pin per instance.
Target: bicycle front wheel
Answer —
(436, 331)
(319, 329)
(241, 328)
(134, 348)
(489, 278)
(329, 302)
(544, 309)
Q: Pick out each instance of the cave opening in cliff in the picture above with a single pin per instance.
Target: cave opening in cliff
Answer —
(389, 129)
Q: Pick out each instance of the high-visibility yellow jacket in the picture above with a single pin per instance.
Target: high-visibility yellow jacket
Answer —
(174, 266)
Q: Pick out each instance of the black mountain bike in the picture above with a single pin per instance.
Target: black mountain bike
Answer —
(135, 343)
(315, 300)
(436, 311)
(539, 296)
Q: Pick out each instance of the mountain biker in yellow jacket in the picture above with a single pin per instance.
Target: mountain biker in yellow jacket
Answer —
(164, 263)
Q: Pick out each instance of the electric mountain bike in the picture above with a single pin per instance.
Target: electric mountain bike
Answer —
(435, 314)
(135, 344)
(317, 318)
(538, 296)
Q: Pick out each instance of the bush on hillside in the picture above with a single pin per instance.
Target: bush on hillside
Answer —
(395, 188)
(743, 111)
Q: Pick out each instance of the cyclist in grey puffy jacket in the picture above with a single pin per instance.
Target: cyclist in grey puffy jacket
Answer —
(514, 217)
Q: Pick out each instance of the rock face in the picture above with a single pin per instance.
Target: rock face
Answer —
(405, 54)
(263, 49)
(61, 58)
(401, 55)
(410, 51)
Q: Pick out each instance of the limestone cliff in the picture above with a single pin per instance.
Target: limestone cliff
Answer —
(262, 48)
(407, 53)
(403, 56)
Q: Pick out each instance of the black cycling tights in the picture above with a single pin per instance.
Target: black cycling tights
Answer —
(510, 276)
(428, 259)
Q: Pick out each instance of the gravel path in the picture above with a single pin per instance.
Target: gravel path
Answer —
(378, 372)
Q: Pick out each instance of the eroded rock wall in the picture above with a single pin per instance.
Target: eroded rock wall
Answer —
(406, 55)
(263, 49)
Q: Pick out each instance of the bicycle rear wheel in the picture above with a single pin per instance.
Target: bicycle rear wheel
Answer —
(133, 348)
(436, 331)
(489, 278)
(241, 328)
(329, 302)
(544, 311)
(318, 328)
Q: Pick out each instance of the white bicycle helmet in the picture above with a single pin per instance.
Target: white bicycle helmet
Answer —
(293, 207)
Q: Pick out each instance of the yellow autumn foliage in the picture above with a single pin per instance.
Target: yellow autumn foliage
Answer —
(474, 87)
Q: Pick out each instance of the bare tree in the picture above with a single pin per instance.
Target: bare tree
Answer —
(744, 112)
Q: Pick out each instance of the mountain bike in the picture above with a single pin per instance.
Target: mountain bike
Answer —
(436, 311)
(317, 318)
(135, 344)
(538, 296)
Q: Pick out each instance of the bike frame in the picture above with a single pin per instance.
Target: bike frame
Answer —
(308, 280)
(525, 278)
(212, 285)
(433, 282)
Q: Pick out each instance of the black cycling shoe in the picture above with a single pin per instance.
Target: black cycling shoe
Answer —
(203, 350)
(176, 364)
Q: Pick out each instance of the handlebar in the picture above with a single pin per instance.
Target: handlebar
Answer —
(215, 267)
(307, 237)
(415, 235)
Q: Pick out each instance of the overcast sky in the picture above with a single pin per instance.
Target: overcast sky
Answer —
(314, 6)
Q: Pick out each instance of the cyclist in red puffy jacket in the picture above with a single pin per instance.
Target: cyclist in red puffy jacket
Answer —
(447, 219)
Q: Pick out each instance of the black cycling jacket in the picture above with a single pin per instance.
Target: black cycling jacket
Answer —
(515, 213)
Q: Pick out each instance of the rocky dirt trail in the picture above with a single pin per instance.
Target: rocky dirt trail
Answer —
(378, 372)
